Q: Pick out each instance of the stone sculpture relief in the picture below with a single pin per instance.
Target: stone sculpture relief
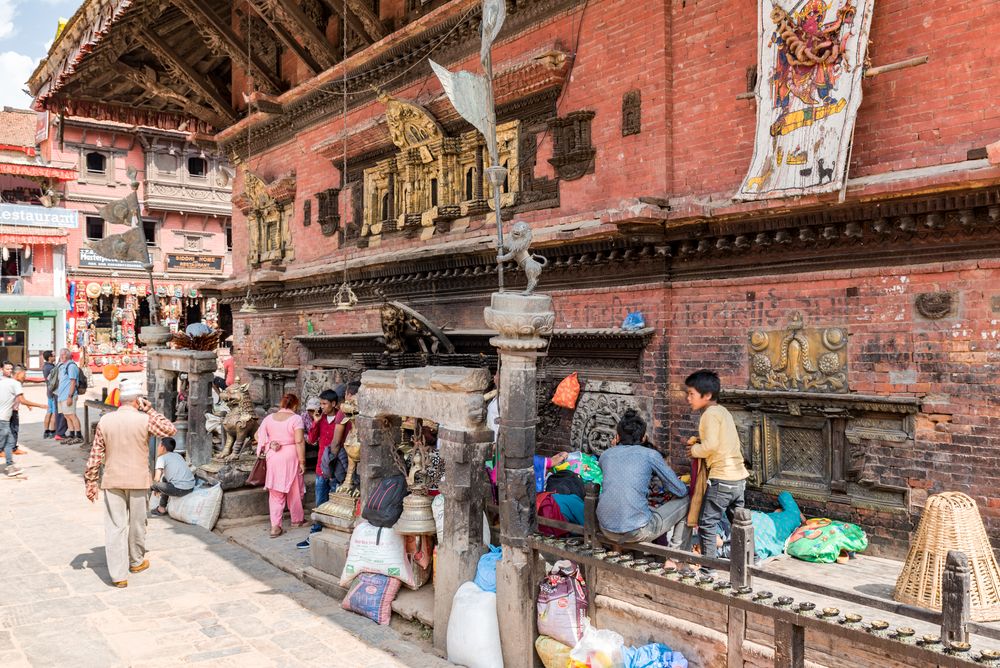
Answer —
(598, 410)
(934, 305)
(517, 247)
(799, 358)
(241, 421)
(273, 354)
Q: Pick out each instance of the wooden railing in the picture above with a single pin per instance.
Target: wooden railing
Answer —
(592, 551)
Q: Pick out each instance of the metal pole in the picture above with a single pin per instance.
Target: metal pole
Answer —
(495, 171)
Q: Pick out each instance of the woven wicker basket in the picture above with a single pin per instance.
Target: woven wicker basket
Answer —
(950, 521)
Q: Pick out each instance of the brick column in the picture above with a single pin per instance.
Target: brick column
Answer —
(520, 320)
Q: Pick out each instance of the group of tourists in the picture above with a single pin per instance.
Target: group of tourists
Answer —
(281, 440)
(624, 512)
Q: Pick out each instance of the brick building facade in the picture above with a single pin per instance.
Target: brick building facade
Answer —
(629, 132)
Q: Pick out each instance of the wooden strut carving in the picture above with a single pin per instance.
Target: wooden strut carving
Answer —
(285, 37)
(294, 20)
(182, 71)
(148, 82)
(222, 40)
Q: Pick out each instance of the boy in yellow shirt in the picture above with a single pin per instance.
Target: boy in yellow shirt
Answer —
(719, 446)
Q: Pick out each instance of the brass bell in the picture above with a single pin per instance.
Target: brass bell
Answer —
(417, 517)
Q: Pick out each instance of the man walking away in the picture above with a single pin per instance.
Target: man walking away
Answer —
(121, 444)
(69, 383)
(173, 476)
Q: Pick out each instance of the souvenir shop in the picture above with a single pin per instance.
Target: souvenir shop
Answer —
(107, 317)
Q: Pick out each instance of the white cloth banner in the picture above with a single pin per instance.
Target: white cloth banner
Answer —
(811, 56)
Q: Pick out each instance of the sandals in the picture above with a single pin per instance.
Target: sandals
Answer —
(276, 531)
(298, 525)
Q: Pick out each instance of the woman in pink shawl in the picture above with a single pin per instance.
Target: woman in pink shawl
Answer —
(281, 438)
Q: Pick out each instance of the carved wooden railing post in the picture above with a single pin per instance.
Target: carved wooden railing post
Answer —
(520, 320)
(590, 515)
(741, 553)
(789, 645)
(956, 599)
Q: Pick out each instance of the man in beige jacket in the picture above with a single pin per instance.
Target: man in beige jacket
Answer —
(121, 444)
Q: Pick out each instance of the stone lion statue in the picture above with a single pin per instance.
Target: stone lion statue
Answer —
(240, 423)
(515, 247)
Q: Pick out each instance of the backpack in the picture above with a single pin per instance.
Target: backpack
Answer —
(565, 482)
(52, 382)
(82, 384)
(385, 502)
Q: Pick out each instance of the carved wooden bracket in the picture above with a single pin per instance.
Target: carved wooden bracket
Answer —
(572, 150)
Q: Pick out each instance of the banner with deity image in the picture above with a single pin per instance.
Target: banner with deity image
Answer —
(811, 56)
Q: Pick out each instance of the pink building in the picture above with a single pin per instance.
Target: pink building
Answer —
(33, 239)
(185, 195)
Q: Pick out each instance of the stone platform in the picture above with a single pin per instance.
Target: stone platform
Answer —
(252, 501)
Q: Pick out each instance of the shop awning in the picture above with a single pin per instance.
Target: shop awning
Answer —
(29, 304)
(16, 235)
(21, 169)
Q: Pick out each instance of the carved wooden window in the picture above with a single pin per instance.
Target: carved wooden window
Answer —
(165, 163)
(197, 167)
(328, 215)
(434, 192)
(97, 163)
(572, 150)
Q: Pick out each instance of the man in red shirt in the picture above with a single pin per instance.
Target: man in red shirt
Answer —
(323, 430)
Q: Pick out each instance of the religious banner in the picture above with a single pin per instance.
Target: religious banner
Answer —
(811, 56)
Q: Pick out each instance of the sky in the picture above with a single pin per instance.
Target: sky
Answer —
(27, 28)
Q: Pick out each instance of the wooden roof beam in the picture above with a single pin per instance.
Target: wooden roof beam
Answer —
(285, 36)
(147, 82)
(295, 22)
(352, 19)
(184, 72)
(372, 24)
(221, 38)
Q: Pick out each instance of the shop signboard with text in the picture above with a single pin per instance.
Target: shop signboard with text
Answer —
(38, 216)
(192, 262)
(88, 258)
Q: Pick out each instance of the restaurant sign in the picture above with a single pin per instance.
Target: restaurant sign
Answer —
(88, 258)
(38, 216)
(193, 262)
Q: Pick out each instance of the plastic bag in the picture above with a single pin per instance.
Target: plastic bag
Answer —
(562, 603)
(370, 553)
(633, 321)
(567, 392)
(201, 506)
(656, 655)
(473, 629)
(372, 595)
(822, 540)
(486, 571)
(598, 648)
(553, 653)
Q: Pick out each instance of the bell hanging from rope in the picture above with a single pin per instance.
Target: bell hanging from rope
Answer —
(417, 518)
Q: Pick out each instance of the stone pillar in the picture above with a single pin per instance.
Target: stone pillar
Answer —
(464, 488)
(199, 442)
(379, 436)
(520, 321)
(155, 337)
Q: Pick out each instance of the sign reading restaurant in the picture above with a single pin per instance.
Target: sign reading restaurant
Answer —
(38, 216)
(191, 262)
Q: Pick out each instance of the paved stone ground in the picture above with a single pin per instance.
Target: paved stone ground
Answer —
(204, 599)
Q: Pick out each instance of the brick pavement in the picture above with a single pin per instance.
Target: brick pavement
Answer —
(204, 600)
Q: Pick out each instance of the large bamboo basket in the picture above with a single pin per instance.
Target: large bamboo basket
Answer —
(950, 521)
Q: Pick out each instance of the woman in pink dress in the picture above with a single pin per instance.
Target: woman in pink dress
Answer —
(281, 438)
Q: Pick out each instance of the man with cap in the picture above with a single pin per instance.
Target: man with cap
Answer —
(121, 444)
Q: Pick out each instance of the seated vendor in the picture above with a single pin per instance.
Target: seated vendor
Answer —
(623, 511)
(173, 477)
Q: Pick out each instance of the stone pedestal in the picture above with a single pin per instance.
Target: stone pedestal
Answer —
(164, 365)
(269, 384)
(328, 551)
(520, 320)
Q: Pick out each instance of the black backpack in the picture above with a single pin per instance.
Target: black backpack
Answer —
(565, 482)
(385, 502)
(81, 383)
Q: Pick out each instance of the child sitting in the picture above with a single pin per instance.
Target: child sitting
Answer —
(719, 446)
(173, 477)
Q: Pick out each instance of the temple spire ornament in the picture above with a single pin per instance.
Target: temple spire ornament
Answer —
(472, 96)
